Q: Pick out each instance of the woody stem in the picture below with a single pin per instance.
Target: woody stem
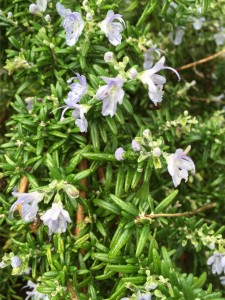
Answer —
(188, 213)
(201, 61)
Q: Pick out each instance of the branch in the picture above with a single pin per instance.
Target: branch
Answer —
(80, 210)
(71, 290)
(201, 61)
(188, 213)
(22, 189)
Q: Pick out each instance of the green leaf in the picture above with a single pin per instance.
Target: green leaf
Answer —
(127, 207)
(166, 202)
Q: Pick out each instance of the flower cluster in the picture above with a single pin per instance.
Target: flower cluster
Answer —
(78, 90)
(74, 25)
(55, 218)
(34, 294)
(178, 163)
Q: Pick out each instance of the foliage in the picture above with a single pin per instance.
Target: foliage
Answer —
(117, 251)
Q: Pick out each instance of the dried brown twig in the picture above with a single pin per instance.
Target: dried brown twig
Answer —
(201, 61)
(184, 214)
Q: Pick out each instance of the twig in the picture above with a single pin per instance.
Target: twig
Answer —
(80, 210)
(188, 213)
(101, 174)
(71, 290)
(201, 61)
(206, 100)
(22, 189)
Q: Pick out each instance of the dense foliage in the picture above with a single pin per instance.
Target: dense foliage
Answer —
(111, 159)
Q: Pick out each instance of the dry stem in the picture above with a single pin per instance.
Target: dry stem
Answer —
(22, 189)
(188, 213)
(80, 210)
(201, 61)
(71, 290)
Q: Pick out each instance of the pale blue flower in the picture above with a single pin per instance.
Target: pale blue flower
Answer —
(222, 280)
(119, 153)
(112, 29)
(40, 6)
(62, 11)
(78, 89)
(78, 115)
(149, 57)
(198, 23)
(154, 81)
(140, 296)
(15, 262)
(56, 218)
(177, 36)
(217, 260)
(136, 146)
(146, 296)
(179, 164)
(29, 202)
(220, 37)
(72, 23)
(111, 94)
(34, 294)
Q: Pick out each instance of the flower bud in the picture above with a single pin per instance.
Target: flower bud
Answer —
(109, 57)
(132, 73)
(89, 17)
(71, 191)
(48, 18)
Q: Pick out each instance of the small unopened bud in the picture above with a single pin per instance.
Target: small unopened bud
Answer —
(48, 18)
(132, 73)
(71, 191)
(9, 15)
(147, 133)
(136, 146)
(156, 152)
(89, 17)
(109, 57)
(34, 9)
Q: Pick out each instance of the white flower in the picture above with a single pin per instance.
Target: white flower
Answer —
(56, 219)
(136, 146)
(15, 262)
(119, 153)
(40, 6)
(34, 9)
(177, 36)
(34, 294)
(3, 265)
(29, 203)
(146, 296)
(220, 37)
(217, 260)
(179, 164)
(198, 23)
(154, 81)
(78, 115)
(110, 94)
(112, 29)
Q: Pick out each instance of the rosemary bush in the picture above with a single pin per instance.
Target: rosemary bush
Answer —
(112, 160)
